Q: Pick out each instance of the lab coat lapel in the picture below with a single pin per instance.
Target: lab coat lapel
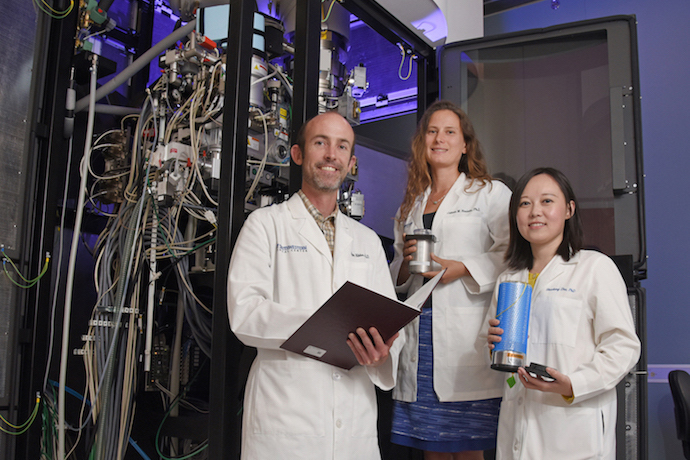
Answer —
(308, 228)
(449, 203)
(452, 198)
(343, 235)
(417, 213)
(553, 270)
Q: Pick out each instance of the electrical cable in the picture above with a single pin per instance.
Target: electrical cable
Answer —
(72, 263)
(139, 228)
(286, 82)
(52, 12)
(402, 61)
(30, 282)
(48, 402)
(174, 402)
(85, 401)
(328, 15)
(199, 321)
(262, 165)
(21, 429)
(127, 258)
(109, 404)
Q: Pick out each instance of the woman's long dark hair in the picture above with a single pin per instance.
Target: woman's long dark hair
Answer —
(519, 253)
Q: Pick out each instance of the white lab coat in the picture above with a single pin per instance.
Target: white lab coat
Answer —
(471, 226)
(581, 325)
(282, 271)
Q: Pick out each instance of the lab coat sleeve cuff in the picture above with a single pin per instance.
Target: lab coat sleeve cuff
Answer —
(479, 281)
(395, 270)
(577, 383)
(405, 287)
(471, 285)
(385, 375)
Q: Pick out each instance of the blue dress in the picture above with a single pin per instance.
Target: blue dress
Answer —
(431, 425)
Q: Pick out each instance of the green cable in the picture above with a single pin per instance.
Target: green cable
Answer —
(53, 13)
(30, 282)
(24, 426)
(160, 227)
(176, 401)
(329, 11)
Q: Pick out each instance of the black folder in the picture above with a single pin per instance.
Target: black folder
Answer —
(324, 335)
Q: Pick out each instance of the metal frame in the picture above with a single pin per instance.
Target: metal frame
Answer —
(389, 27)
(224, 398)
(306, 75)
(47, 169)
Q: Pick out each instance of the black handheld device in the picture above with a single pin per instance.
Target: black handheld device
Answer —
(539, 369)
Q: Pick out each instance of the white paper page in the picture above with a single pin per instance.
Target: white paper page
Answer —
(417, 299)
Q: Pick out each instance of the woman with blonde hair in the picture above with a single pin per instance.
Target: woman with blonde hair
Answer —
(447, 396)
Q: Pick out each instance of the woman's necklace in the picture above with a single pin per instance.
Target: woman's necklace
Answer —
(439, 200)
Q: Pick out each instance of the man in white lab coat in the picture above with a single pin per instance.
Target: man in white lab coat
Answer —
(288, 260)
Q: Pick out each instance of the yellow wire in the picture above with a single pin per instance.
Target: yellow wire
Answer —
(402, 61)
(31, 282)
(24, 426)
(53, 13)
(524, 288)
(330, 8)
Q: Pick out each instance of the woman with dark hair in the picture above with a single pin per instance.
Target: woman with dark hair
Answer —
(446, 397)
(580, 327)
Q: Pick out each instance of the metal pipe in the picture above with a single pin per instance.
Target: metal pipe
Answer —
(137, 65)
(73, 259)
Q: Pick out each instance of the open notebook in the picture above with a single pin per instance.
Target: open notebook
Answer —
(324, 335)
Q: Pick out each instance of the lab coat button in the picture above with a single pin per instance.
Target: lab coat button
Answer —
(339, 423)
(336, 376)
(519, 401)
(516, 446)
(414, 359)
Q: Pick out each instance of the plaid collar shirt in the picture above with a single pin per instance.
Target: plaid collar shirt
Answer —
(326, 224)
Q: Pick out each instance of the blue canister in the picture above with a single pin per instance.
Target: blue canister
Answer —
(512, 310)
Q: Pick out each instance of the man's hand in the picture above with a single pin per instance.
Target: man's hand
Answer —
(370, 349)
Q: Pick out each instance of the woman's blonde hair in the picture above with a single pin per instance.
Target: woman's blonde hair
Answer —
(472, 163)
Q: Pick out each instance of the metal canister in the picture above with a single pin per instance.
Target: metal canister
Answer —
(421, 258)
(512, 310)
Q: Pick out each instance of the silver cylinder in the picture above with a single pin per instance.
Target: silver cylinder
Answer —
(421, 258)
(507, 361)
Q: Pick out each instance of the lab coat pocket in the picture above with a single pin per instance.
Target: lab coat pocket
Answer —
(461, 235)
(359, 273)
(463, 347)
(555, 320)
(289, 399)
